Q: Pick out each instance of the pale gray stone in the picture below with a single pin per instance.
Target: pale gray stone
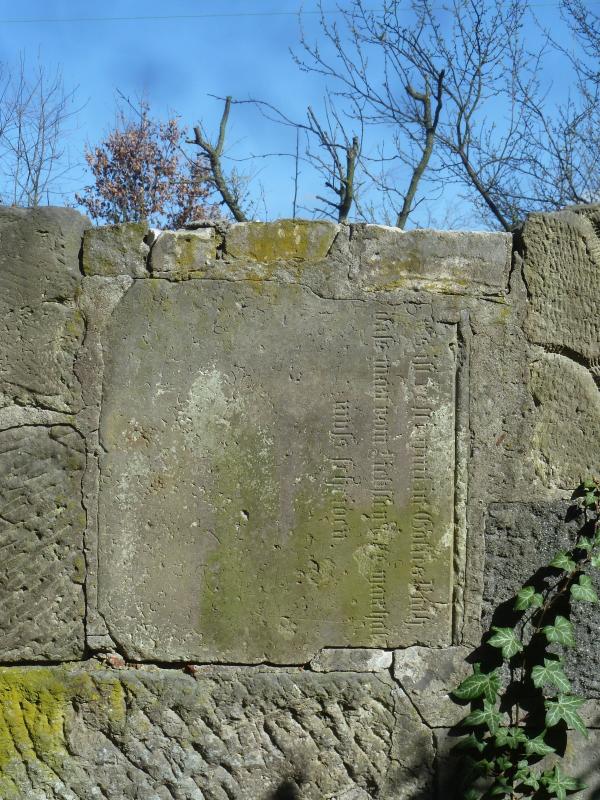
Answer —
(283, 481)
(428, 675)
(177, 253)
(40, 326)
(116, 250)
(41, 539)
(243, 734)
(438, 261)
(351, 659)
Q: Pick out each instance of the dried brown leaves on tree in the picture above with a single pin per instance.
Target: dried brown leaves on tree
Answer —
(141, 172)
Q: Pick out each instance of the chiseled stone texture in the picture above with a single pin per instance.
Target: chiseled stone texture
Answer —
(562, 273)
(428, 675)
(567, 421)
(177, 253)
(40, 327)
(116, 250)
(238, 515)
(252, 734)
(351, 659)
(41, 540)
(439, 261)
(521, 538)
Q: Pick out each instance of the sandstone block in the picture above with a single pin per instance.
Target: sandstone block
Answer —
(226, 734)
(349, 659)
(177, 253)
(428, 676)
(446, 261)
(562, 272)
(284, 240)
(40, 327)
(284, 479)
(41, 538)
(116, 250)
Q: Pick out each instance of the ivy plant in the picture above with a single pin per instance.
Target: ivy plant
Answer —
(522, 707)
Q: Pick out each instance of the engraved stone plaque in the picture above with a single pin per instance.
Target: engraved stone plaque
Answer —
(278, 473)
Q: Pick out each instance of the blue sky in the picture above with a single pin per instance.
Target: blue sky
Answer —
(178, 63)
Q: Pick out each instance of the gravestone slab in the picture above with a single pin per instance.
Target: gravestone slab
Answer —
(277, 473)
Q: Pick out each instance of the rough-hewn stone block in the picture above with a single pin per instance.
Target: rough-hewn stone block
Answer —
(228, 733)
(446, 261)
(41, 540)
(116, 250)
(40, 326)
(562, 272)
(177, 253)
(283, 480)
(428, 675)
(286, 239)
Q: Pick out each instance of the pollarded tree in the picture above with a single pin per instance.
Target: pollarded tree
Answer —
(141, 172)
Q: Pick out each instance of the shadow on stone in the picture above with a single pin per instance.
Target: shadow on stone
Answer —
(288, 790)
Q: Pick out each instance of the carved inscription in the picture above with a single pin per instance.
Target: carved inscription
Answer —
(296, 476)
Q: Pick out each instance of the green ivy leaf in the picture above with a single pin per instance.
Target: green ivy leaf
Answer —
(470, 742)
(596, 560)
(584, 591)
(590, 499)
(488, 716)
(528, 598)
(472, 794)
(479, 684)
(561, 632)
(507, 640)
(559, 784)
(566, 708)
(563, 561)
(584, 543)
(500, 787)
(538, 747)
(551, 674)
(510, 737)
(589, 484)
(531, 780)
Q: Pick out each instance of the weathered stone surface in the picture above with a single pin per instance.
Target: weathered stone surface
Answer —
(567, 421)
(562, 272)
(177, 253)
(40, 327)
(228, 733)
(284, 479)
(351, 659)
(41, 539)
(284, 240)
(446, 261)
(428, 676)
(116, 250)
(522, 538)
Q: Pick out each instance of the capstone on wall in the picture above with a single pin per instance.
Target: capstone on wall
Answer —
(261, 483)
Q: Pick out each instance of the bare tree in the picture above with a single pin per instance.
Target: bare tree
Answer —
(35, 109)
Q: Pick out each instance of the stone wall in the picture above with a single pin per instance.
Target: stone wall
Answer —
(259, 486)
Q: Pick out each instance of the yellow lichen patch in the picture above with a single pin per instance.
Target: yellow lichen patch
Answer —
(34, 705)
(286, 239)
